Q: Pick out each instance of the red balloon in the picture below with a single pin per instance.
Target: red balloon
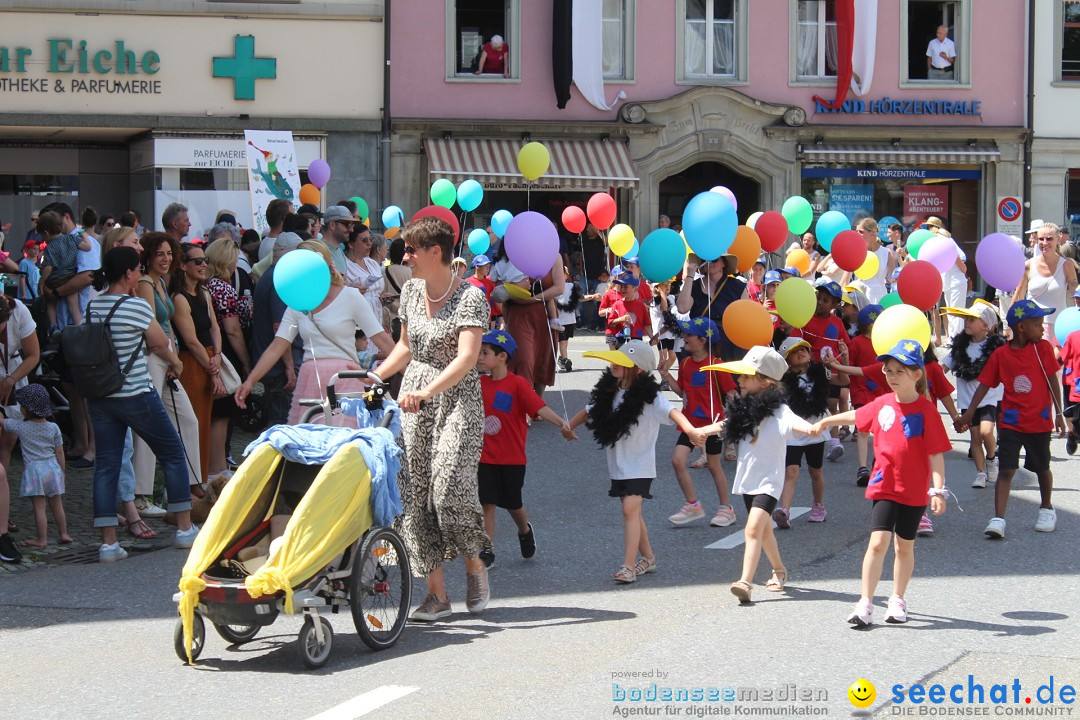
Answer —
(919, 284)
(441, 213)
(573, 218)
(848, 250)
(772, 229)
(602, 210)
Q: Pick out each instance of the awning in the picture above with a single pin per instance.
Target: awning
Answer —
(901, 154)
(575, 164)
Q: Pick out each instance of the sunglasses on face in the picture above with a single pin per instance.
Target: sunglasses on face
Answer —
(410, 250)
(197, 261)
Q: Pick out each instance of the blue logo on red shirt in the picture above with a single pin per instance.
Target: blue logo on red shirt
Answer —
(913, 425)
(503, 401)
(832, 332)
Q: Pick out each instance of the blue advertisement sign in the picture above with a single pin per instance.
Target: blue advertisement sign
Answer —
(855, 201)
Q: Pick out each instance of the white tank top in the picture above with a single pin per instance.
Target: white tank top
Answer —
(1048, 292)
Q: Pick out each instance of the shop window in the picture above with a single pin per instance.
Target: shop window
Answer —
(618, 37)
(815, 41)
(472, 23)
(1069, 12)
(920, 21)
(711, 42)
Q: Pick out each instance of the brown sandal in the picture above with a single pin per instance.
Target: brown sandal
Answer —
(742, 590)
(140, 530)
(776, 582)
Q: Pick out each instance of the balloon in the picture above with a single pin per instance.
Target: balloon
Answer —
(751, 221)
(601, 209)
(662, 255)
(772, 228)
(1000, 260)
(391, 233)
(915, 241)
(829, 224)
(747, 323)
(573, 218)
(919, 284)
(709, 225)
(939, 251)
(799, 214)
(620, 239)
(469, 195)
(890, 299)
(796, 301)
(302, 280)
(533, 160)
(869, 268)
(532, 243)
(479, 241)
(800, 259)
(443, 193)
(361, 207)
(309, 194)
(896, 323)
(392, 217)
(747, 247)
(849, 250)
(441, 213)
(1067, 322)
(318, 173)
(883, 226)
(500, 221)
(724, 192)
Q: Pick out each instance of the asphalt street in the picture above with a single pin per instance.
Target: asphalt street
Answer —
(561, 640)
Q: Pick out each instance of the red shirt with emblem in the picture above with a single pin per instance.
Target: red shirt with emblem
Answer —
(703, 399)
(1028, 405)
(824, 332)
(905, 436)
(488, 287)
(864, 389)
(506, 404)
(936, 383)
(1070, 359)
(640, 318)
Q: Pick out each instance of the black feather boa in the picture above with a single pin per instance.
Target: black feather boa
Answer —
(814, 403)
(571, 304)
(746, 412)
(963, 366)
(610, 425)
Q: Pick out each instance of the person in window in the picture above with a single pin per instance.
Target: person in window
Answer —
(493, 57)
(940, 56)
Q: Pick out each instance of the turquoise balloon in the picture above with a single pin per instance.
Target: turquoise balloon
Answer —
(799, 214)
(500, 221)
(469, 195)
(443, 193)
(829, 225)
(662, 255)
(392, 217)
(709, 224)
(302, 279)
(479, 241)
(887, 301)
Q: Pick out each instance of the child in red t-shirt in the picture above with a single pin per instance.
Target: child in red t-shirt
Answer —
(479, 278)
(703, 395)
(615, 292)
(863, 389)
(508, 400)
(909, 447)
(628, 318)
(1030, 410)
(1070, 361)
(825, 332)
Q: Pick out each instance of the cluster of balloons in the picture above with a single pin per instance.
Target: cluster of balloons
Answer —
(468, 195)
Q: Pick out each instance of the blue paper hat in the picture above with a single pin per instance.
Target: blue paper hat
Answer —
(791, 270)
(1024, 309)
(626, 279)
(481, 260)
(907, 352)
(868, 314)
(773, 276)
(502, 340)
(830, 287)
(702, 327)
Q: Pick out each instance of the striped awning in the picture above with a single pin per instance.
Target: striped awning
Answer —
(901, 154)
(593, 165)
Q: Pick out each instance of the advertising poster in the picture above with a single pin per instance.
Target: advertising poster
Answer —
(922, 201)
(272, 171)
(855, 201)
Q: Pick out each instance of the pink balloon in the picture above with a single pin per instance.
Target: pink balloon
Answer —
(721, 190)
(319, 173)
(1000, 260)
(939, 251)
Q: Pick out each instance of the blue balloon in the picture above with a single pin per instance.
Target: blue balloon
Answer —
(469, 195)
(1067, 322)
(883, 226)
(479, 241)
(829, 225)
(392, 217)
(302, 279)
(662, 255)
(500, 221)
(709, 225)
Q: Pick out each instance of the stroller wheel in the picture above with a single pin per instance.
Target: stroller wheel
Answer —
(312, 653)
(380, 588)
(198, 638)
(237, 634)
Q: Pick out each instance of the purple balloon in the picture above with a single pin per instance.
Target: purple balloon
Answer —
(721, 190)
(532, 243)
(1000, 260)
(318, 173)
(940, 252)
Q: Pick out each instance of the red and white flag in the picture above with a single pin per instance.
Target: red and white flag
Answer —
(856, 43)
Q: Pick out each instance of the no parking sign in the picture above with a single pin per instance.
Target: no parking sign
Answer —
(1009, 210)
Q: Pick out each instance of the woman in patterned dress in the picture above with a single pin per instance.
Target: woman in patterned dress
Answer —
(443, 319)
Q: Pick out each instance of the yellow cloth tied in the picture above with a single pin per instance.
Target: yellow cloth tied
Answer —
(269, 582)
(191, 587)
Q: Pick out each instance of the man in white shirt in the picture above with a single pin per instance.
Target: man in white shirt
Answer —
(941, 56)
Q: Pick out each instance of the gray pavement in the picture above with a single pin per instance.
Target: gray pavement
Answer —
(561, 640)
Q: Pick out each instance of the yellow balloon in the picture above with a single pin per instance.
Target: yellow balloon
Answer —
(533, 160)
(796, 301)
(869, 268)
(899, 322)
(620, 239)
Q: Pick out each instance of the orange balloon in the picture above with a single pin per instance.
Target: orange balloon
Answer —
(799, 258)
(746, 247)
(309, 194)
(747, 323)
(391, 232)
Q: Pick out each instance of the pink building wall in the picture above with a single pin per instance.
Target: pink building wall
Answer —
(419, 88)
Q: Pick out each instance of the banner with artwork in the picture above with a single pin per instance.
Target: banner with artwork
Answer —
(272, 171)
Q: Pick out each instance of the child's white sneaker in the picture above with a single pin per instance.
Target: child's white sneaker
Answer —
(725, 515)
(1047, 520)
(980, 480)
(863, 614)
(688, 513)
(897, 610)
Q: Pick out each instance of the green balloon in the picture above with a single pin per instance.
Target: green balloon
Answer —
(443, 193)
(915, 241)
(891, 299)
(799, 214)
(361, 206)
(796, 301)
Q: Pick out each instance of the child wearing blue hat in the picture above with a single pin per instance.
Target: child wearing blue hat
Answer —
(480, 278)
(910, 443)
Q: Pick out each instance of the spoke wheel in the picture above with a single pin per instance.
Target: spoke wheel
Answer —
(380, 588)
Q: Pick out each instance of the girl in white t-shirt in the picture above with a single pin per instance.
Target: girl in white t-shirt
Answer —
(625, 412)
(762, 425)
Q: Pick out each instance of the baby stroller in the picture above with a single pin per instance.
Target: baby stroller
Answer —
(335, 490)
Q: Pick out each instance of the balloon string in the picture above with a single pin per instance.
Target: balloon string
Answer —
(607, 250)
(584, 269)
(708, 314)
(461, 241)
(558, 379)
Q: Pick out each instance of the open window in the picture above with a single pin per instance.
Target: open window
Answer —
(471, 24)
(930, 28)
(711, 41)
(815, 40)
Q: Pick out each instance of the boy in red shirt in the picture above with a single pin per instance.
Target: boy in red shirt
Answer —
(863, 389)
(1030, 410)
(508, 400)
(825, 332)
(481, 266)
(1070, 361)
(628, 317)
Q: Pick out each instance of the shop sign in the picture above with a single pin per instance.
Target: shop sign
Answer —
(890, 106)
(922, 201)
(111, 70)
(855, 201)
(891, 173)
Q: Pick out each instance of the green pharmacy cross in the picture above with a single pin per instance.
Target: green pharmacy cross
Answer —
(244, 68)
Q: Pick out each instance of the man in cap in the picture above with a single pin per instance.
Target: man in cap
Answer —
(337, 224)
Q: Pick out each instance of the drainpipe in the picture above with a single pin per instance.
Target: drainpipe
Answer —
(384, 140)
(1029, 112)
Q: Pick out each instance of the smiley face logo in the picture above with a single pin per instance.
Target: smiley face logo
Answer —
(862, 693)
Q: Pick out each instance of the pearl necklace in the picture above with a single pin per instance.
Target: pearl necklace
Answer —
(435, 301)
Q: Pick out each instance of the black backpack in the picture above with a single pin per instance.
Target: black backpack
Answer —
(91, 358)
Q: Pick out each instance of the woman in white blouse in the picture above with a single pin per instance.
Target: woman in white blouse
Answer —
(364, 266)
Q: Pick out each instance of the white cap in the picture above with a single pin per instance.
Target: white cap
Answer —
(1035, 226)
(759, 359)
(979, 309)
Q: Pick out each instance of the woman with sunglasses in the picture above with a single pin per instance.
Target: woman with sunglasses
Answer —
(363, 266)
(875, 286)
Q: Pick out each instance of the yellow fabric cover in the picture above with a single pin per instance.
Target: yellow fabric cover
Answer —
(234, 504)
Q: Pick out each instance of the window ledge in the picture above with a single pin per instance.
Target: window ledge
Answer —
(813, 82)
(483, 79)
(706, 81)
(935, 84)
(619, 81)
(1066, 83)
